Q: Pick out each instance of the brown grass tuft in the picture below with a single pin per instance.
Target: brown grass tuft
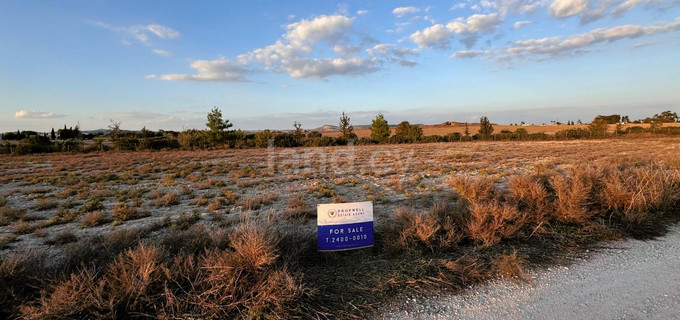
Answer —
(94, 218)
(491, 222)
(167, 200)
(475, 189)
(79, 296)
(132, 277)
(573, 197)
(510, 266)
(123, 212)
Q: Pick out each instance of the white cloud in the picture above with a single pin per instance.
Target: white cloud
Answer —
(520, 24)
(517, 6)
(299, 53)
(630, 4)
(391, 53)
(221, 69)
(402, 11)
(592, 10)
(323, 68)
(468, 54)
(362, 12)
(439, 36)
(142, 32)
(23, 114)
(460, 5)
(475, 23)
(567, 8)
(436, 36)
(321, 28)
(575, 44)
(161, 31)
(162, 52)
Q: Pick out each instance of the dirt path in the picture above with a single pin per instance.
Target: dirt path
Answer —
(630, 280)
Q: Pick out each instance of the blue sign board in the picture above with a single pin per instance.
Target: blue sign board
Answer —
(344, 226)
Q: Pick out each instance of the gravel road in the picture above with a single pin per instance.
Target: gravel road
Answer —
(629, 279)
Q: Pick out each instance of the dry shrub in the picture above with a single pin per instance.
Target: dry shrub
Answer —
(492, 222)
(63, 238)
(9, 215)
(258, 201)
(215, 205)
(20, 274)
(94, 218)
(529, 194)
(79, 296)
(417, 227)
(245, 281)
(639, 191)
(167, 200)
(573, 196)
(510, 266)
(475, 189)
(468, 270)
(93, 204)
(201, 201)
(441, 227)
(297, 207)
(230, 196)
(123, 212)
(453, 218)
(133, 277)
(46, 204)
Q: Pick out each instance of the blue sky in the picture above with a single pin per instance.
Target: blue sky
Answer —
(266, 64)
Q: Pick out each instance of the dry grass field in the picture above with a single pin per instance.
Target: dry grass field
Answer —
(232, 233)
(457, 127)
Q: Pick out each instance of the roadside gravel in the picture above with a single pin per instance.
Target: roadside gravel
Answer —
(629, 279)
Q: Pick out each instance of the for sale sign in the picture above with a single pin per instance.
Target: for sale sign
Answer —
(344, 226)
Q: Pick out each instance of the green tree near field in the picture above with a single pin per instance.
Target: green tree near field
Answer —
(298, 134)
(380, 130)
(667, 117)
(262, 138)
(485, 127)
(115, 133)
(610, 119)
(217, 126)
(346, 128)
(598, 127)
(406, 133)
(655, 125)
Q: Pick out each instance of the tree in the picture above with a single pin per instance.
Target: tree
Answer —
(380, 130)
(467, 130)
(298, 134)
(521, 133)
(346, 129)
(408, 133)
(655, 125)
(114, 133)
(485, 127)
(667, 116)
(53, 135)
(610, 119)
(217, 126)
(598, 127)
(262, 138)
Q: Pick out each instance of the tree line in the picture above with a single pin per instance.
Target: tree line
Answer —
(218, 134)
